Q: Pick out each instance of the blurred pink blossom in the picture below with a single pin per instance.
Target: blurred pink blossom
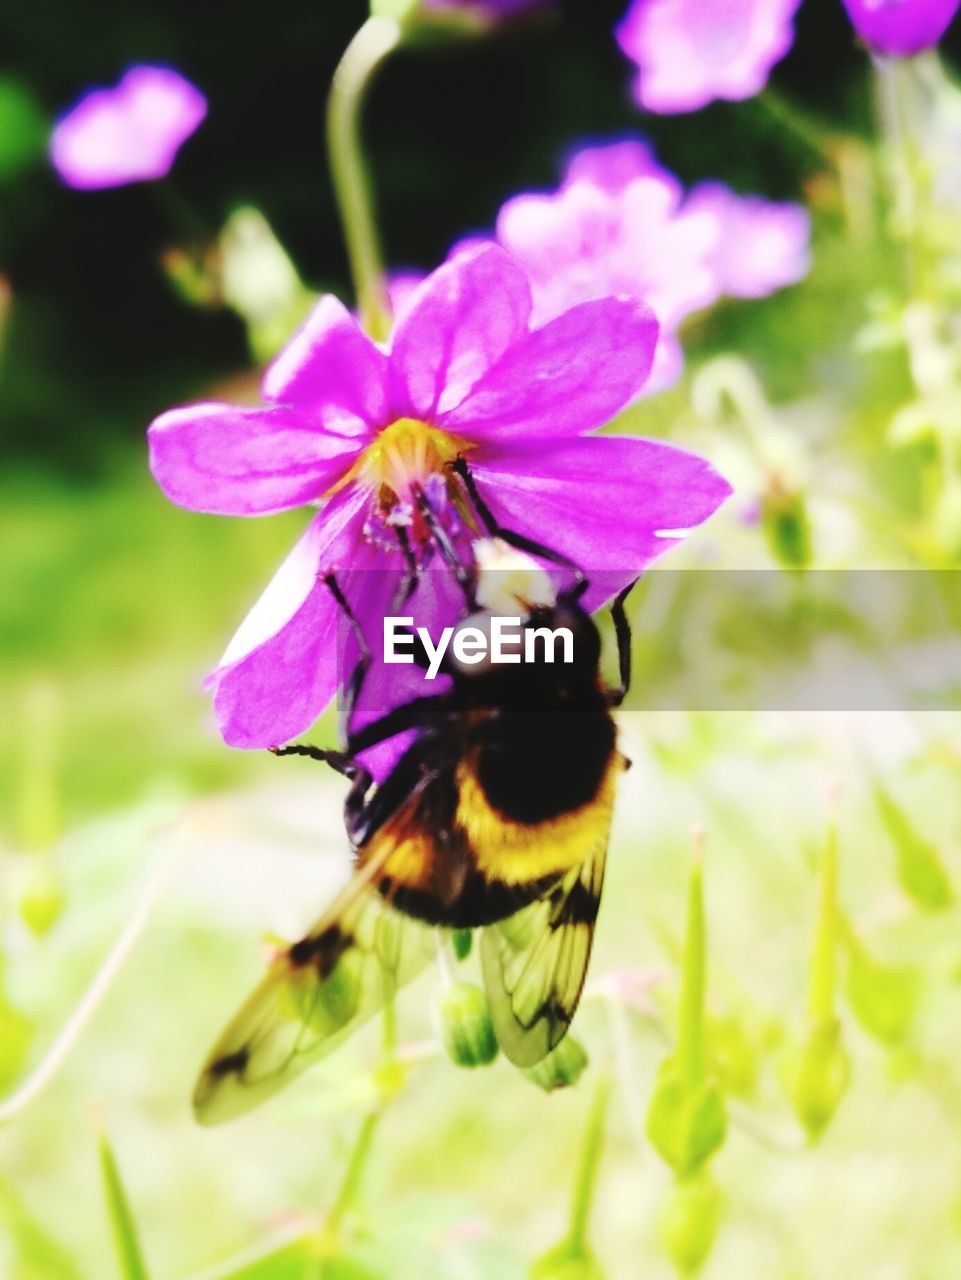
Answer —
(130, 133)
(689, 52)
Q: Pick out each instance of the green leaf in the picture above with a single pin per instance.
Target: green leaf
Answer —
(686, 1124)
(121, 1219)
(23, 128)
(38, 1256)
(921, 873)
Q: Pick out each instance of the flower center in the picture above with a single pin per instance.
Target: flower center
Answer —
(406, 453)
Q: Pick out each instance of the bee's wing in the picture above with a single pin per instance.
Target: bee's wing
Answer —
(315, 992)
(535, 962)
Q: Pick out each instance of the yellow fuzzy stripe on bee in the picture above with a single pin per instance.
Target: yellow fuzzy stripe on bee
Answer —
(409, 862)
(517, 852)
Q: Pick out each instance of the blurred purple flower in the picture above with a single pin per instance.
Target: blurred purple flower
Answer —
(762, 246)
(130, 133)
(355, 427)
(901, 28)
(689, 52)
(616, 225)
(619, 224)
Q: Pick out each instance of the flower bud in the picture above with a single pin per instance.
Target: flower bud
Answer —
(689, 1221)
(686, 1122)
(41, 896)
(785, 522)
(920, 869)
(883, 997)
(464, 1025)
(562, 1068)
(900, 28)
(462, 940)
(818, 1071)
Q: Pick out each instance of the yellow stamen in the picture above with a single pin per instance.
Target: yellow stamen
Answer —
(403, 454)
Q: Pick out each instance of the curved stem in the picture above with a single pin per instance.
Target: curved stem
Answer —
(70, 1033)
(375, 40)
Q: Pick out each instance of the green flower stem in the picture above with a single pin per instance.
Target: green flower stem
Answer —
(356, 1164)
(690, 1041)
(372, 44)
(388, 1025)
(593, 1145)
(800, 125)
(823, 975)
(898, 115)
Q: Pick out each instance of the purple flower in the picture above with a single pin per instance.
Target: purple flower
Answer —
(130, 133)
(762, 246)
(689, 52)
(901, 28)
(616, 230)
(355, 427)
(620, 224)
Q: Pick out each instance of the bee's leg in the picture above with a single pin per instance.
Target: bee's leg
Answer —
(463, 574)
(519, 540)
(358, 675)
(359, 777)
(408, 583)
(368, 817)
(622, 629)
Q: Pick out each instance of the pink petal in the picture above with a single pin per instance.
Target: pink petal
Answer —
(688, 52)
(436, 603)
(613, 166)
(332, 368)
(458, 324)
(280, 670)
(763, 246)
(229, 460)
(611, 504)
(569, 377)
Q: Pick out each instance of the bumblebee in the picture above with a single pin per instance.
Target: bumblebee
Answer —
(496, 818)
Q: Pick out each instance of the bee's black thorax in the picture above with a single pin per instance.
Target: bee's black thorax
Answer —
(548, 741)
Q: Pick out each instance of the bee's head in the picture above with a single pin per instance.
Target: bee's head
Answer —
(509, 581)
(553, 638)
